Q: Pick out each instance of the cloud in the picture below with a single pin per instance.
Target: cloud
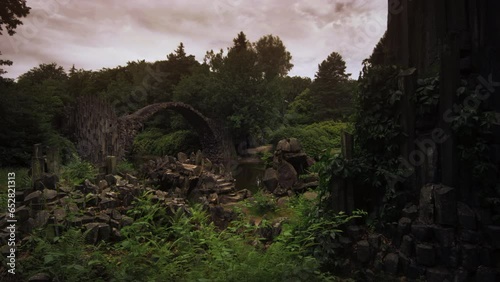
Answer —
(94, 34)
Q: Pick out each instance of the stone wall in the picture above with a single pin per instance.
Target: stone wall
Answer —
(94, 126)
(455, 39)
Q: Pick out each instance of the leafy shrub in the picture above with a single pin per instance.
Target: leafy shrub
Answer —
(66, 258)
(125, 167)
(77, 171)
(155, 142)
(313, 232)
(262, 203)
(314, 138)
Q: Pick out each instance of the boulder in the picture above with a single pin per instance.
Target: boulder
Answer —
(287, 175)
(102, 184)
(486, 274)
(49, 194)
(363, 251)
(295, 145)
(41, 219)
(283, 146)
(207, 183)
(466, 216)
(22, 213)
(438, 275)
(445, 204)
(110, 179)
(470, 236)
(374, 240)
(493, 232)
(415, 271)
(182, 157)
(422, 232)
(425, 254)
(33, 198)
(298, 160)
(444, 236)
(404, 225)
(40, 277)
(407, 246)
(447, 256)
(355, 232)
(199, 158)
(470, 257)
(270, 179)
(59, 214)
(131, 179)
(126, 221)
(48, 181)
(391, 262)
(411, 212)
(207, 165)
(426, 204)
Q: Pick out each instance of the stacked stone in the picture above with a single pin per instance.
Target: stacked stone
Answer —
(289, 162)
(438, 240)
(195, 177)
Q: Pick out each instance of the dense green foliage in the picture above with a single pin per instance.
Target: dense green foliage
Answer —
(77, 171)
(262, 204)
(315, 138)
(187, 247)
(330, 96)
(154, 142)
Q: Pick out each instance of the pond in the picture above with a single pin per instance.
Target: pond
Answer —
(248, 175)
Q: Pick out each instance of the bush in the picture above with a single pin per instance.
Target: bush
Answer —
(314, 232)
(262, 203)
(125, 167)
(315, 138)
(77, 171)
(66, 258)
(154, 142)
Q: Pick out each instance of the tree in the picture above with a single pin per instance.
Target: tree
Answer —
(332, 70)
(241, 60)
(32, 112)
(332, 92)
(43, 72)
(179, 53)
(273, 59)
(10, 13)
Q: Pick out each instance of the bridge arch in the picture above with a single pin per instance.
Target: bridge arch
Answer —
(98, 132)
(210, 134)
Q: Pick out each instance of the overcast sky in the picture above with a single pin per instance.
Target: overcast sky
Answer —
(94, 34)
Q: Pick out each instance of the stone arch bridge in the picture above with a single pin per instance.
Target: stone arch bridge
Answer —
(99, 132)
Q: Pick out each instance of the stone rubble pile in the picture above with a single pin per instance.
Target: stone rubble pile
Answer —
(100, 206)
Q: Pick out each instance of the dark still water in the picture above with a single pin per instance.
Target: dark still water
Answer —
(249, 175)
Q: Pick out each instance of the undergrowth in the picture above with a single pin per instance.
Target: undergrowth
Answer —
(186, 246)
(77, 171)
